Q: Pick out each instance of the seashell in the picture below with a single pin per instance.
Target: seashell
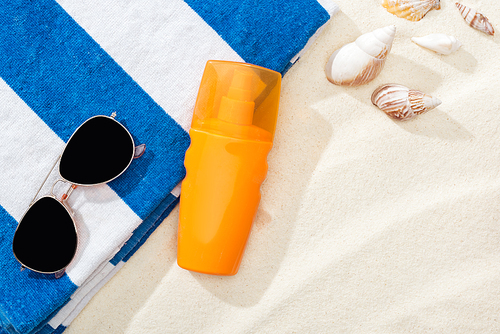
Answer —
(401, 102)
(475, 19)
(439, 43)
(412, 10)
(361, 61)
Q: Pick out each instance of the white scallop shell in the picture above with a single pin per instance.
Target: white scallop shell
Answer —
(475, 19)
(439, 43)
(361, 61)
(401, 102)
(412, 10)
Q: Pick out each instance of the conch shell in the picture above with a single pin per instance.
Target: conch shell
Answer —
(439, 43)
(361, 61)
(401, 102)
(475, 19)
(412, 10)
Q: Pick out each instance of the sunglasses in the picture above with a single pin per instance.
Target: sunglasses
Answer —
(99, 151)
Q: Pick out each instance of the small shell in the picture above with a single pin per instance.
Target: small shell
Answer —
(475, 19)
(412, 10)
(361, 61)
(439, 43)
(401, 102)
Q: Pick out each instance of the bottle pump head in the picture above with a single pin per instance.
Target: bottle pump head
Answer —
(238, 106)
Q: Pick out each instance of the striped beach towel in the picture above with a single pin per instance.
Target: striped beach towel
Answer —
(62, 62)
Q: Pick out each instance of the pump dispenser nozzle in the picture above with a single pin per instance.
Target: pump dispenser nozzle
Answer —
(238, 106)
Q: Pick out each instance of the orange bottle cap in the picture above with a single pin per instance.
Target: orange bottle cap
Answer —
(241, 94)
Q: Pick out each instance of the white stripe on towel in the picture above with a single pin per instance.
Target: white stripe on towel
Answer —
(146, 44)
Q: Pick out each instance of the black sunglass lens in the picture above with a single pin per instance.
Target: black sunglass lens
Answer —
(46, 238)
(100, 150)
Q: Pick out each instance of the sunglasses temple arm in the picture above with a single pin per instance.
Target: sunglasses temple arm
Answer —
(55, 163)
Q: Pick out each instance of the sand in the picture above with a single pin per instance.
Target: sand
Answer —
(366, 224)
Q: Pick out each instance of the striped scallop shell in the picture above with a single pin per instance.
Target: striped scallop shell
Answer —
(402, 103)
(475, 19)
(412, 10)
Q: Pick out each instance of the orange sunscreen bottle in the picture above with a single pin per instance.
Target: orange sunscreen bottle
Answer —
(231, 135)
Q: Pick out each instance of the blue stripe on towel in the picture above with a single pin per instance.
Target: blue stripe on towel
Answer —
(157, 223)
(261, 31)
(20, 296)
(57, 68)
(145, 229)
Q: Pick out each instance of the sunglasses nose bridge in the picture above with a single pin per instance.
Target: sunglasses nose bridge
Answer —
(66, 195)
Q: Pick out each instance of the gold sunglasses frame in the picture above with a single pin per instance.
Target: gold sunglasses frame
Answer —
(137, 151)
